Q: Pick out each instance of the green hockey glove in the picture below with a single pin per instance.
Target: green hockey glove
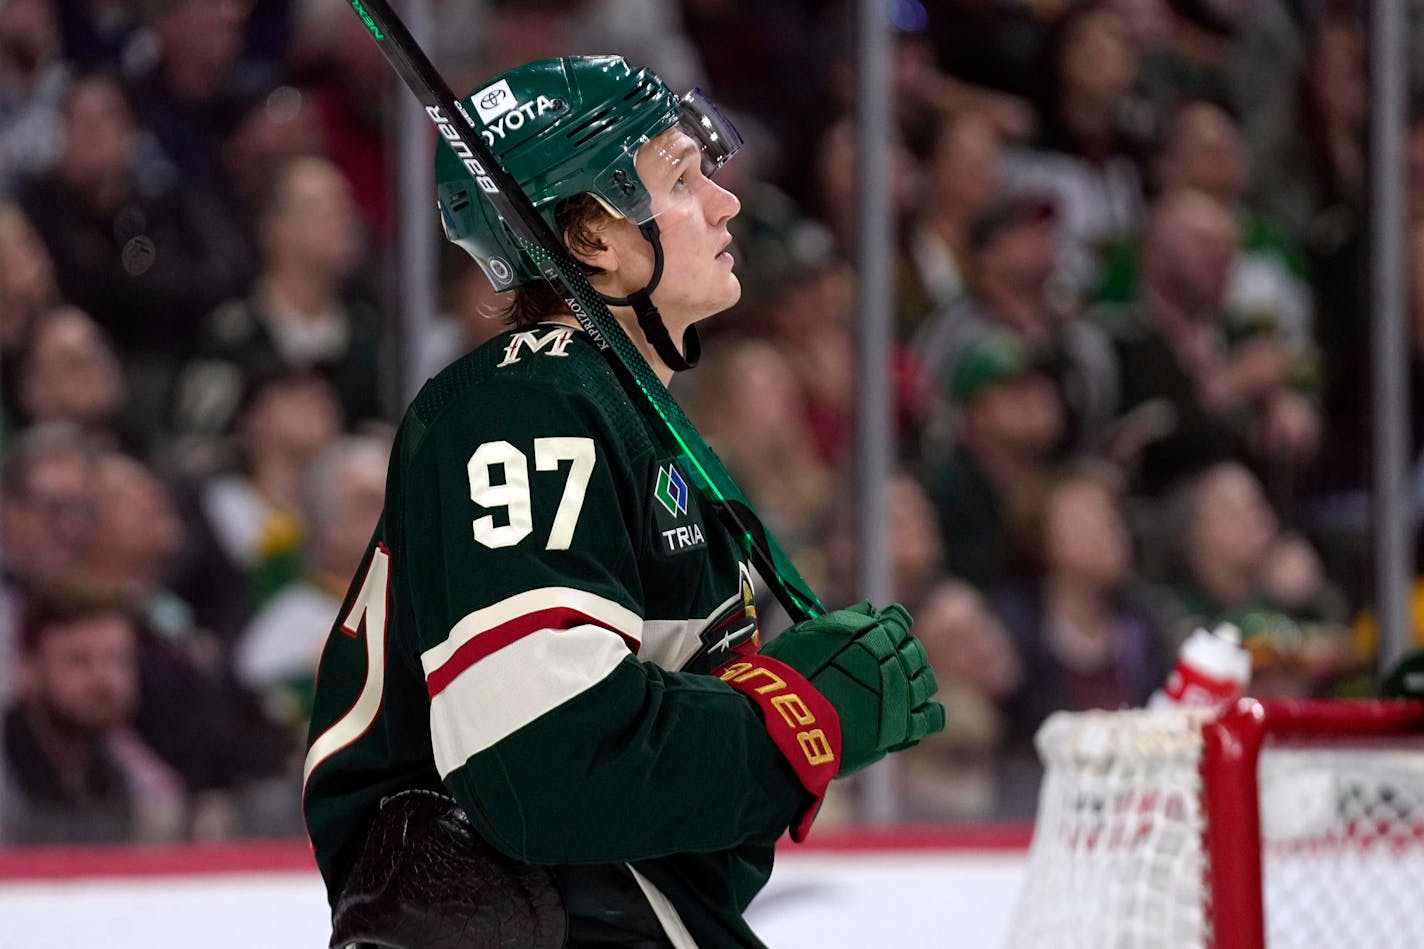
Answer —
(874, 674)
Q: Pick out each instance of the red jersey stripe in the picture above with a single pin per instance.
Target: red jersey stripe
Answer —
(496, 638)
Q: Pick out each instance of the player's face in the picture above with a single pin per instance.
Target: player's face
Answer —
(692, 214)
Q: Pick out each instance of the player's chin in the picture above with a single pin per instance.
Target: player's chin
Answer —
(731, 294)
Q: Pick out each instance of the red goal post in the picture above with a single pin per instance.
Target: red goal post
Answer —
(1282, 822)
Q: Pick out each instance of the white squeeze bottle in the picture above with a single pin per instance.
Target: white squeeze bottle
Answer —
(1212, 668)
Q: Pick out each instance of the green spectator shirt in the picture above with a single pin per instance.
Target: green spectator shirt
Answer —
(531, 628)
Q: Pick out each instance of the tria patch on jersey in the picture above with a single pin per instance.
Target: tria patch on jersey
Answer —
(675, 516)
(549, 342)
(679, 539)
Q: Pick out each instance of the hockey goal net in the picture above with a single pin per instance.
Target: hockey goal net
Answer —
(1275, 823)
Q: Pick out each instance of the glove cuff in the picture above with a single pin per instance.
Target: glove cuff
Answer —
(802, 724)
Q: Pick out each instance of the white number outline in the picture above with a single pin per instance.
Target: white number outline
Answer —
(513, 494)
(371, 606)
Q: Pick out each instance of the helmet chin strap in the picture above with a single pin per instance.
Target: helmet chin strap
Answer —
(650, 320)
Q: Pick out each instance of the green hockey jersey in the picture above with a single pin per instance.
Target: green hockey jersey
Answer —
(531, 631)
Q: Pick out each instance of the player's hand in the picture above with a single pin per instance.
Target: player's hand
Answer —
(875, 674)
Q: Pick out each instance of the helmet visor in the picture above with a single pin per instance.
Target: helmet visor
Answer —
(716, 139)
(713, 132)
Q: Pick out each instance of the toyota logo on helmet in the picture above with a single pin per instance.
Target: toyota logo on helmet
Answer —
(492, 98)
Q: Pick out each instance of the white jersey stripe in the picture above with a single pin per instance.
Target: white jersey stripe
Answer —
(605, 611)
(666, 913)
(510, 688)
(671, 642)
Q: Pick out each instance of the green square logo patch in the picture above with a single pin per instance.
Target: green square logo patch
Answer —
(671, 491)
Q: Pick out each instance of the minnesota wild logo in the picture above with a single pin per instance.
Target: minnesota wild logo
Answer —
(671, 490)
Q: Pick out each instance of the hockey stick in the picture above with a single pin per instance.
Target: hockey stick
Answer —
(547, 252)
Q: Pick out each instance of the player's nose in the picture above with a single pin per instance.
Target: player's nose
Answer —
(722, 205)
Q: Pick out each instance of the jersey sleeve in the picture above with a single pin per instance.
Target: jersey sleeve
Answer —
(523, 536)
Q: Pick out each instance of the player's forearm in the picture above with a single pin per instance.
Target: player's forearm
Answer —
(644, 764)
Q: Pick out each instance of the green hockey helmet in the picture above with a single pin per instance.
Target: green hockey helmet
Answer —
(563, 127)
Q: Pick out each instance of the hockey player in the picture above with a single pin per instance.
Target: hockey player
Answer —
(542, 717)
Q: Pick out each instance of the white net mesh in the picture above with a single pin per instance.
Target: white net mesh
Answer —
(1118, 830)
(1117, 860)
(1343, 846)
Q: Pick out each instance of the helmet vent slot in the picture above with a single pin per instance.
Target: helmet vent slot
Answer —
(643, 91)
(589, 128)
(459, 201)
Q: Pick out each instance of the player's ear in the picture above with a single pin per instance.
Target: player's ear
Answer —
(587, 225)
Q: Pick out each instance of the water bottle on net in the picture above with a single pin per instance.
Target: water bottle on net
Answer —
(1212, 668)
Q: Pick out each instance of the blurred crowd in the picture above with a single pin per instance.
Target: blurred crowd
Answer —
(1130, 376)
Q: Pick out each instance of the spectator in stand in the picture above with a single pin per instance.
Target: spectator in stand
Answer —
(273, 123)
(191, 710)
(808, 318)
(1226, 395)
(27, 282)
(837, 188)
(917, 555)
(955, 776)
(48, 493)
(1414, 162)
(763, 61)
(925, 93)
(1310, 168)
(774, 241)
(964, 179)
(648, 32)
(747, 403)
(469, 314)
(27, 291)
(298, 315)
(1225, 558)
(1088, 151)
(1225, 52)
(145, 261)
(1010, 421)
(1310, 174)
(194, 71)
(994, 45)
(76, 771)
(33, 80)
(276, 122)
(341, 499)
(809, 322)
(132, 541)
(1202, 151)
(98, 35)
(1083, 637)
(247, 515)
(349, 83)
(47, 498)
(71, 374)
(1012, 258)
